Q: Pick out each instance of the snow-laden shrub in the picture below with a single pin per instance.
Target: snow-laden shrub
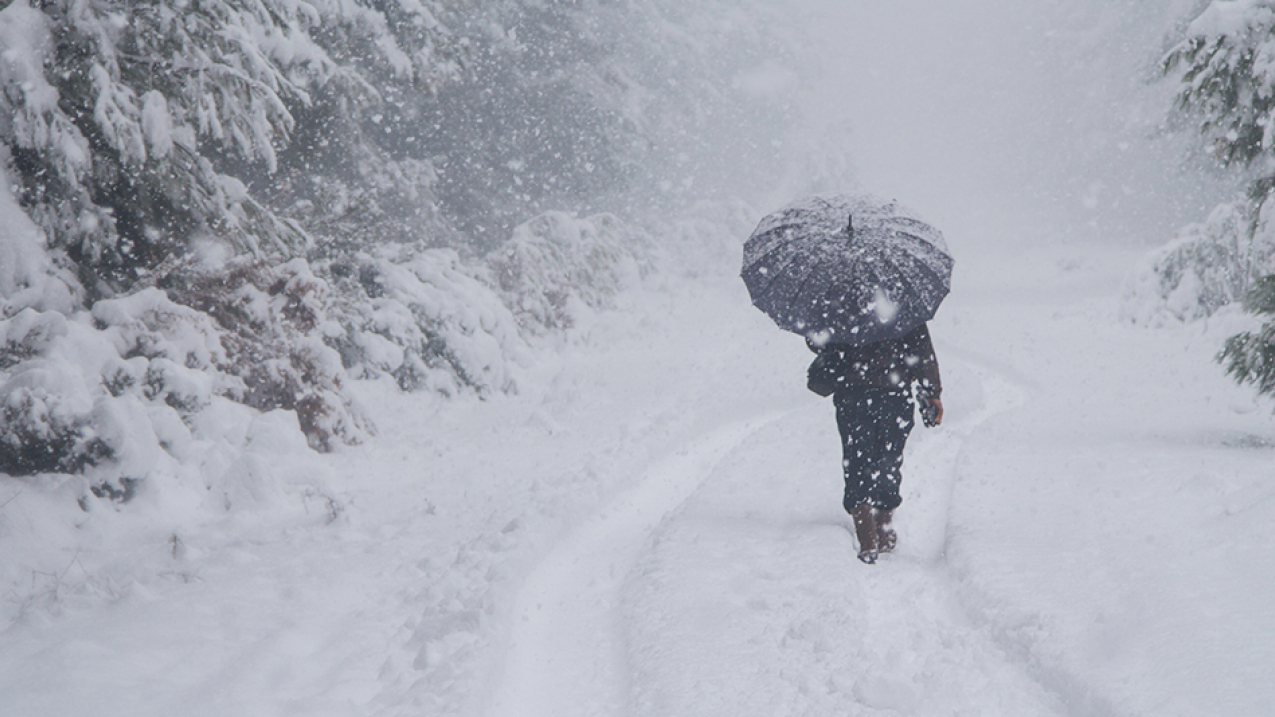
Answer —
(142, 387)
(28, 275)
(1208, 266)
(424, 317)
(557, 266)
(268, 326)
(46, 406)
(81, 395)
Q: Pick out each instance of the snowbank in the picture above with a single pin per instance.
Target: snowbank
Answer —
(557, 267)
(203, 393)
(425, 318)
(1209, 265)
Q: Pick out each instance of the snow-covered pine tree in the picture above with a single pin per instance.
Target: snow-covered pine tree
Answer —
(1249, 357)
(140, 127)
(1226, 92)
(117, 107)
(1225, 67)
(1225, 70)
(141, 138)
(356, 171)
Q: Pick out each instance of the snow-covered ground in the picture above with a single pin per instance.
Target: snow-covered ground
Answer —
(652, 526)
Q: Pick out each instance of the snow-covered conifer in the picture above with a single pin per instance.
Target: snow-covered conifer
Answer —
(1249, 357)
(1224, 70)
(1225, 66)
(138, 127)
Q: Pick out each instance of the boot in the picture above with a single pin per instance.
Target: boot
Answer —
(865, 529)
(886, 537)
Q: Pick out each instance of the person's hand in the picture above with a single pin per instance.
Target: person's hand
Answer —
(938, 410)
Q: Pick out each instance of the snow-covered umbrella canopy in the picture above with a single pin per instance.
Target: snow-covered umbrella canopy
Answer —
(848, 269)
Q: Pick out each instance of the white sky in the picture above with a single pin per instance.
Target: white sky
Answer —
(995, 113)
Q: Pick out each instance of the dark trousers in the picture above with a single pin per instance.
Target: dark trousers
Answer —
(874, 423)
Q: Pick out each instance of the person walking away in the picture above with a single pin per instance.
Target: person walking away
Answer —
(872, 388)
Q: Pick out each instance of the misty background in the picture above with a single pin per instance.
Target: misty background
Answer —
(1001, 114)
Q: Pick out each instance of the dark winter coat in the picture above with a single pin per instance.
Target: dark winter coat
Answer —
(892, 365)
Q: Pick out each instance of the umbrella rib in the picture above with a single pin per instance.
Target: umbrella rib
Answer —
(774, 233)
(804, 280)
(832, 281)
(914, 273)
(776, 272)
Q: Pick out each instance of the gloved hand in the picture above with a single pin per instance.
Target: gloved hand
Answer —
(931, 411)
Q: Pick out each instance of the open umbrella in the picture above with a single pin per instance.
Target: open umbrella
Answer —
(849, 269)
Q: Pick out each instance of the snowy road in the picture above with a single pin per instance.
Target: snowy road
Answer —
(1003, 597)
(746, 598)
(752, 601)
(566, 657)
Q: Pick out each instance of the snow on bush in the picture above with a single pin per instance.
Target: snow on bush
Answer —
(270, 324)
(142, 399)
(434, 322)
(119, 393)
(122, 392)
(28, 277)
(1208, 266)
(114, 395)
(557, 267)
(45, 410)
(425, 318)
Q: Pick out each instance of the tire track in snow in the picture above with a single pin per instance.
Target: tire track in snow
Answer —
(1007, 390)
(940, 453)
(751, 601)
(565, 654)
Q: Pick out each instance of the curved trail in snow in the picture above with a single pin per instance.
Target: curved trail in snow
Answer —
(564, 655)
(603, 628)
(940, 452)
(751, 601)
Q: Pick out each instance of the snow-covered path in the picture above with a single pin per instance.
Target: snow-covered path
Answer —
(752, 602)
(746, 597)
(565, 657)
